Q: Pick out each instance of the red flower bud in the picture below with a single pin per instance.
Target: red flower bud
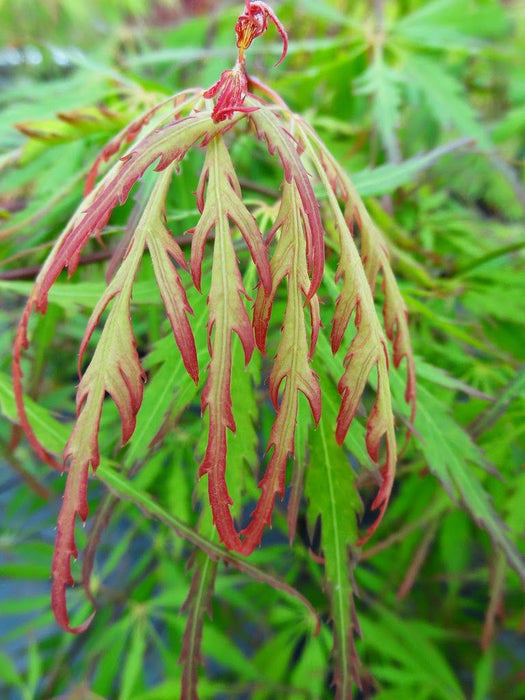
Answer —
(232, 88)
(254, 22)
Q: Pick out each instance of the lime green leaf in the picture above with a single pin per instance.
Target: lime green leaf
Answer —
(49, 431)
(332, 496)
(359, 271)
(414, 660)
(453, 24)
(292, 363)
(445, 96)
(133, 666)
(8, 672)
(451, 456)
(222, 204)
(382, 83)
(387, 178)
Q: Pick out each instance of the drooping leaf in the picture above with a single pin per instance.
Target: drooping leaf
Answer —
(292, 363)
(227, 315)
(167, 145)
(375, 259)
(114, 369)
(242, 446)
(170, 388)
(128, 134)
(278, 138)
(164, 251)
(289, 265)
(368, 350)
(54, 432)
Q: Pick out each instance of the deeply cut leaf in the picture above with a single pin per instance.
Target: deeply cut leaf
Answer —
(289, 265)
(333, 498)
(292, 363)
(227, 315)
(368, 349)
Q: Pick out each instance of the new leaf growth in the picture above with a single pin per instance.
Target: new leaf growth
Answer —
(290, 265)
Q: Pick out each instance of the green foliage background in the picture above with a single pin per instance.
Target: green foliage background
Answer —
(423, 102)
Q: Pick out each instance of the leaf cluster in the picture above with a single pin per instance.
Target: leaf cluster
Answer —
(422, 104)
